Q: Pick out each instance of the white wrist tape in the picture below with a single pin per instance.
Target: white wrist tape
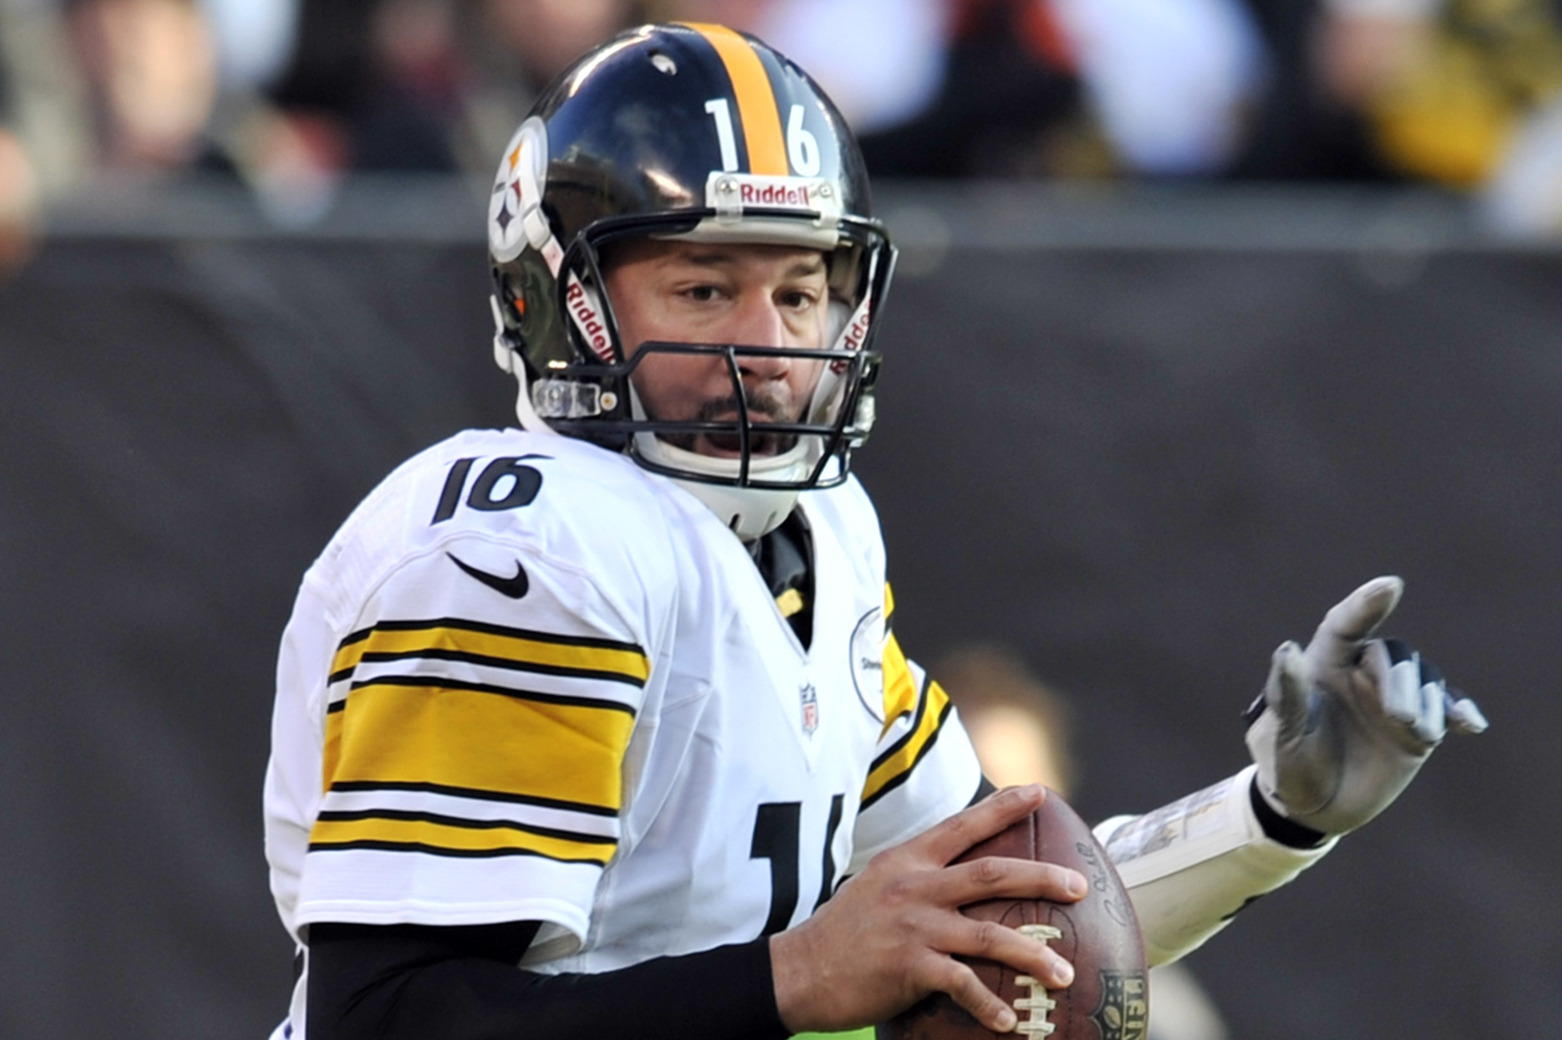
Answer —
(1193, 864)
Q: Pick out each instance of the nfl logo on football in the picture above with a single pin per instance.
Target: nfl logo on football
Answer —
(810, 699)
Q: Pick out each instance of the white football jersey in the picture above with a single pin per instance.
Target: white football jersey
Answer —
(528, 680)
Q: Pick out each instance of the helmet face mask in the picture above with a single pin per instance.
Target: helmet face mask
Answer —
(674, 133)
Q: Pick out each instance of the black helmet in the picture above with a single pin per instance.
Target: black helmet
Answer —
(700, 133)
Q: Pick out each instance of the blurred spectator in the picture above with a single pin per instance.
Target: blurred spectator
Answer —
(517, 46)
(1524, 196)
(26, 93)
(150, 69)
(1301, 126)
(1008, 103)
(410, 86)
(1456, 81)
(18, 204)
(1169, 81)
(254, 40)
(292, 95)
(933, 88)
(992, 87)
(413, 88)
(41, 99)
(1018, 725)
(1429, 90)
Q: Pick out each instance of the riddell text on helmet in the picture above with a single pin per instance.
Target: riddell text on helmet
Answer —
(774, 194)
(588, 320)
(857, 331)
(855, 335)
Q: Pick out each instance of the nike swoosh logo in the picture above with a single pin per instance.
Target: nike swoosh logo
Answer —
(514, 587)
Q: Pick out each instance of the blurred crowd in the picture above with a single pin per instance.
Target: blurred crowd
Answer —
(290, 95)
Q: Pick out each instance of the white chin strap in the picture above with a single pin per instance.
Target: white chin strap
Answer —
(748, 512)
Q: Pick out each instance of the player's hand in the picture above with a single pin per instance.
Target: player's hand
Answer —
(1342, 727)
(886, 939)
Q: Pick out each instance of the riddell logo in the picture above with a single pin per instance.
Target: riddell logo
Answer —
(775, 195)
(588, 320)
(857, 331)
(855, 336)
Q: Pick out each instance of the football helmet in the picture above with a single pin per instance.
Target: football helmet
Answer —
(685, 132)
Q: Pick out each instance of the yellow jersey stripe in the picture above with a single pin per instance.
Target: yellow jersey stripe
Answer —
(331, 753)
(757, 109)
(900, 686)
(894, 766)
(410, 832)
(446, 735)
(448, 639)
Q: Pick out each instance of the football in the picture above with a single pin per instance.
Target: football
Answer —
(1109, 999)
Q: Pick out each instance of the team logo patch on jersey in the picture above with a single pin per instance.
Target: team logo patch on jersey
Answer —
(867, 663)
(810, 699)
(1124, 1013)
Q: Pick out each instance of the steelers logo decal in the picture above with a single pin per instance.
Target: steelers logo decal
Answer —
(517, 189)
(867, 663)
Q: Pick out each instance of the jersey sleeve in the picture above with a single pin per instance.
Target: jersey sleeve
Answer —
(1191, 866)
(924, 769)
(472, 757)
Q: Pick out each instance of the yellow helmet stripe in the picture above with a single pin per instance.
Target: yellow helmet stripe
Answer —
(757, 109)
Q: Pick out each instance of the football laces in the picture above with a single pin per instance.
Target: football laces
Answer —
(1034, 1008)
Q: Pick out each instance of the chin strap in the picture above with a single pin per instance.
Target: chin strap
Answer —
(749, 513)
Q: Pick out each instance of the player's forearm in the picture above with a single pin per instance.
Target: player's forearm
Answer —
(1194, 863)
(410, 983)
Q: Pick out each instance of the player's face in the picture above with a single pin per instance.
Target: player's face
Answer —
(744, 295)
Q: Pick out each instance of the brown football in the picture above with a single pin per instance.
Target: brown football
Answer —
(1109, 999)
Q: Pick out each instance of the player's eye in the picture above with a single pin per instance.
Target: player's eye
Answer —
(799, 299)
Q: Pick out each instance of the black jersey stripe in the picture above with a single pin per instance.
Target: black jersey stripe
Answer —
(460, 838)
(921, 753)
(345, 815)
(495, 646)
(487, 628)
(911, 731)
(354, 637)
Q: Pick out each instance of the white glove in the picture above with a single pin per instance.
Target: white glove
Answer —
(1342, 727)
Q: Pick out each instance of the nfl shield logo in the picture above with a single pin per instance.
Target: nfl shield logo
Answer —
(810, 708)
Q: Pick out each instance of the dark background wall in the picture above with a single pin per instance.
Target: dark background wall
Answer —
(1137, 444)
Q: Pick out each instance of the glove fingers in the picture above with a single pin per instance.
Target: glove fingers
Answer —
(1463, 714)
(1411, 690)
(1352, 621)
(1431, 725)
(1287, 692)
(1396, 668)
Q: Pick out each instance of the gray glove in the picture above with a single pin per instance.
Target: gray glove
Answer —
(1342, 727)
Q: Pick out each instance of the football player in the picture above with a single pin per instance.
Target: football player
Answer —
(600, 723)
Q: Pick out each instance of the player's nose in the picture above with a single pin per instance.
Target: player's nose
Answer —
(759, 323)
